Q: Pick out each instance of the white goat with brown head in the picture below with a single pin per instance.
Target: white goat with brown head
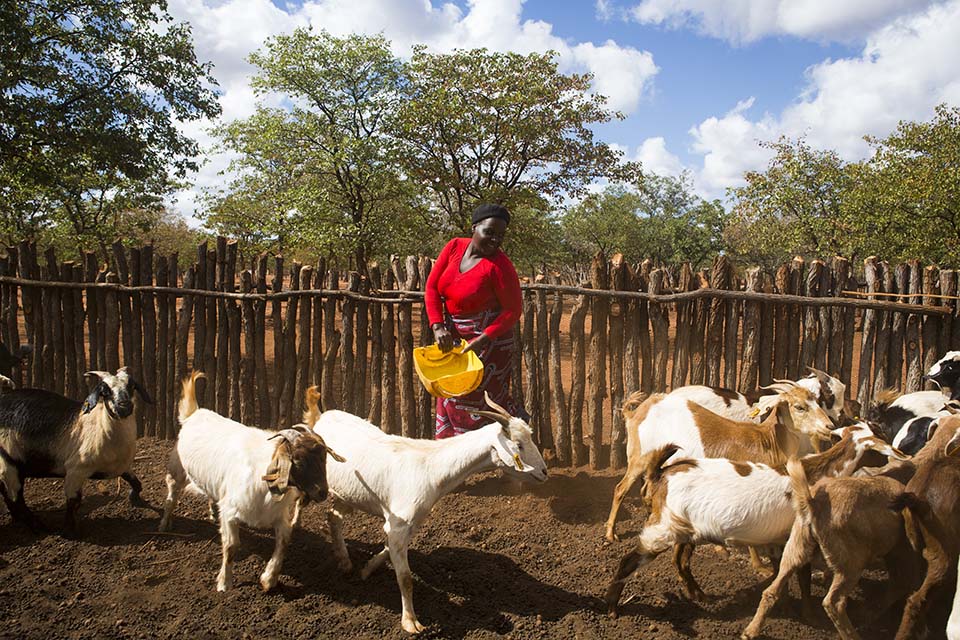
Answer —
(255, 477)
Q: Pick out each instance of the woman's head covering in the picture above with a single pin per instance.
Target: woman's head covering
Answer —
(484, 211)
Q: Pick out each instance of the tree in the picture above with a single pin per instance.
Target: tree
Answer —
(802, 203)
(89, 95)
(499, 127)
(327, 159)
(660, 218)
(913, 178)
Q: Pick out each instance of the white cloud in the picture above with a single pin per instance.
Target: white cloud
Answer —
(226, 32)
(655, 158)
(900, 75)
(742, 21)
(603, 10)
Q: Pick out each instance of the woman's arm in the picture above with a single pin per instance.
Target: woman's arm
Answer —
(433, 302)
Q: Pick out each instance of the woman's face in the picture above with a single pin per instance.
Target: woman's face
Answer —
(488, 235)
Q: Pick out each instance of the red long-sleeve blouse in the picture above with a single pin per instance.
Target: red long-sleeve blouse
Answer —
(492, 283)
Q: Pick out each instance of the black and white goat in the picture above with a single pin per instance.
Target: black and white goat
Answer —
(43, 434)
(906, 419)
(255, 477)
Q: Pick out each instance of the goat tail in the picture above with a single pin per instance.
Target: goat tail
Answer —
(188, 399)
(915, 511)
(800, 488)
(656, 461)
(311, 400)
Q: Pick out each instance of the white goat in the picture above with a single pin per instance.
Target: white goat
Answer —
(697, 500)
(251, 478)
(43, 434)
(400, 479)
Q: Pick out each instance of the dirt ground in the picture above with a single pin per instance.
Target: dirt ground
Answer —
(494, 559)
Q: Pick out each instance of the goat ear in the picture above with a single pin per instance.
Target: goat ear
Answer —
(278, 473)
(92, 399)
(953, 446)
(509, 453)
(139, 389)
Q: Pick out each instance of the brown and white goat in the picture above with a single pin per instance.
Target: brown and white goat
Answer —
(727, 502)
(255, 477)
(932, 509)
(850, 522)
(794, 419)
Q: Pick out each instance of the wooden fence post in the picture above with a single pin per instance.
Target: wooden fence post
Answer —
(305, 346)
(544, 420)
(643, 328)
(149, 337)
(782, 317)
(681, 348)
(260, 346)
(811, 320)
(288, 412)
(183, 342)
(931, 324)
(316, 368)
(332, 340)
(868, 334)
(765, 372)
(222, 381)
(200, 306)
(376, 349)
(797, 268)
(948, 288)
(112, 330)
(70, 384)
(731, 330)
(79, 318)
(347, 360)
(661, 327)
(248, 413)
(618, 434)
(409, 425)
(884, 322)
(826, 318)
(389, 370)
(529, 342)
(720, 279)
(913, 354)
(55, 313)
(163, 339)
(840, 317)
(699, 315)
(751, 334)
(596, 375)
(130, 355)
(561, 415)
(578, 314)
(276, 314)
(234, 333)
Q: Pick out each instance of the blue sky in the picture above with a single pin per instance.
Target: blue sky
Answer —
(700, 81)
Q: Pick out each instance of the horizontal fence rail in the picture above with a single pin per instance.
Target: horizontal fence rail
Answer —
(265, 331)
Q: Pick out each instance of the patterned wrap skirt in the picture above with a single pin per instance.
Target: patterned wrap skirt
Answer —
(455, 415)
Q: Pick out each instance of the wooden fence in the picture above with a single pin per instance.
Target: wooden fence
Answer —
(264, 332)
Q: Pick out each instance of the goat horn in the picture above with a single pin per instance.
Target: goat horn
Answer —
(493, 405)
(99, 375)
(496, 417)
(819, 372)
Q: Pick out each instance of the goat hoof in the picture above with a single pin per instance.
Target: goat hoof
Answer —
(267, 584)
(613, 613)
(412, 625)
(136, 500)
(612, 537)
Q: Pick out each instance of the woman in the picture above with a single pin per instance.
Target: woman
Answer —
(473, 293)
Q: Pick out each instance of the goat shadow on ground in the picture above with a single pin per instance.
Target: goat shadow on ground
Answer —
(459, 589)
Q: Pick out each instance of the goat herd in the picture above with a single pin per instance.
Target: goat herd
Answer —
(793, 473)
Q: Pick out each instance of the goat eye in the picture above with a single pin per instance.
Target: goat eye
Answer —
(800, 407)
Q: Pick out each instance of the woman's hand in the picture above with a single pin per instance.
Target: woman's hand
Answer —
(478, 344)
(443, 338)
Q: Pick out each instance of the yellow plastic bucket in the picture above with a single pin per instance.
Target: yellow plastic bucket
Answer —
(448, 375)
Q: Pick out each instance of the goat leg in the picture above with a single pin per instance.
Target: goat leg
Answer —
(135, 488)
(73, 488)
(681, 560)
